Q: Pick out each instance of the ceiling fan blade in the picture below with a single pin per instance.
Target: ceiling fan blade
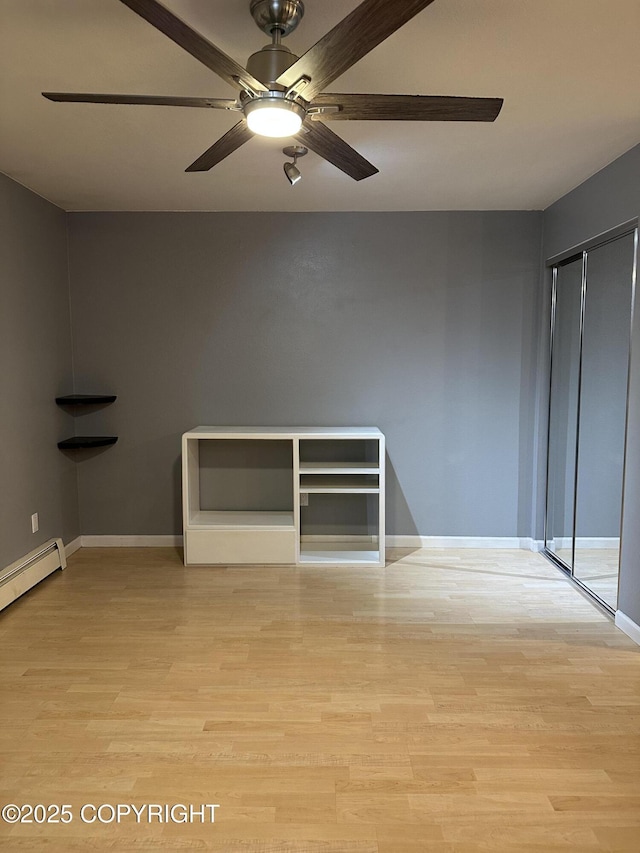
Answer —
(406, 108)
(227, 144)
(153, 100)
(195, 44)
(329, 145)
(367, 26)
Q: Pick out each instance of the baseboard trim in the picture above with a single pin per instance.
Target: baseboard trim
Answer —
(497, 542)
(591, 542)
(131, 541)
(628, 626)
(73, 546)
(391, 541)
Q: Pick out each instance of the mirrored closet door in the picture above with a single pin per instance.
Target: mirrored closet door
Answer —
(592, 304)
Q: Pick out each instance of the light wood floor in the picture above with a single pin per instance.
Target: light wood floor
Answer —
(454, 702)
(597, 568)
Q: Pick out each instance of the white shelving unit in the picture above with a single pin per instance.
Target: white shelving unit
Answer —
(345, 464)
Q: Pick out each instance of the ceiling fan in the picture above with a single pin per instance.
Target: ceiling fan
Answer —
(281, 95)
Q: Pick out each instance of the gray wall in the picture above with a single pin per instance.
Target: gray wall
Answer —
(603, 202)
(424, 324)
(35, 354)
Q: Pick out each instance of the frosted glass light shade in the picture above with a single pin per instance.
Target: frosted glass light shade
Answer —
(274, 117)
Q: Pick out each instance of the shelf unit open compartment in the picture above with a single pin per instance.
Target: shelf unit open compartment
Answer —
(326, 484)
(238, 504)
(341, 518)
(340, 527)
(356, 455)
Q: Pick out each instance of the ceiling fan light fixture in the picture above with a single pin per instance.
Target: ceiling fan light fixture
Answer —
(293, 173)
(274, 116)
(290, 169)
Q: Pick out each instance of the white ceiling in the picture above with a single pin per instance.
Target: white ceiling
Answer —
(569, 71)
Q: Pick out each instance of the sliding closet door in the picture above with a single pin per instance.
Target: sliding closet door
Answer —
(563, 410)
(602, 415)
(592, 307)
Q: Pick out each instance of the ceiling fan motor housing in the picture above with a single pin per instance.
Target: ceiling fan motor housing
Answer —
(269, 63)
(281, 16)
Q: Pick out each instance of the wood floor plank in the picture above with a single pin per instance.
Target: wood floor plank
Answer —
(453, 702)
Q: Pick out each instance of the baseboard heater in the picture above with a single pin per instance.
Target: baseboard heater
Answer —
(20, 576)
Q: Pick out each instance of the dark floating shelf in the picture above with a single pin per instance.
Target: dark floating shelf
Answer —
(87, 441)
(85, 399)
(79, 441)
